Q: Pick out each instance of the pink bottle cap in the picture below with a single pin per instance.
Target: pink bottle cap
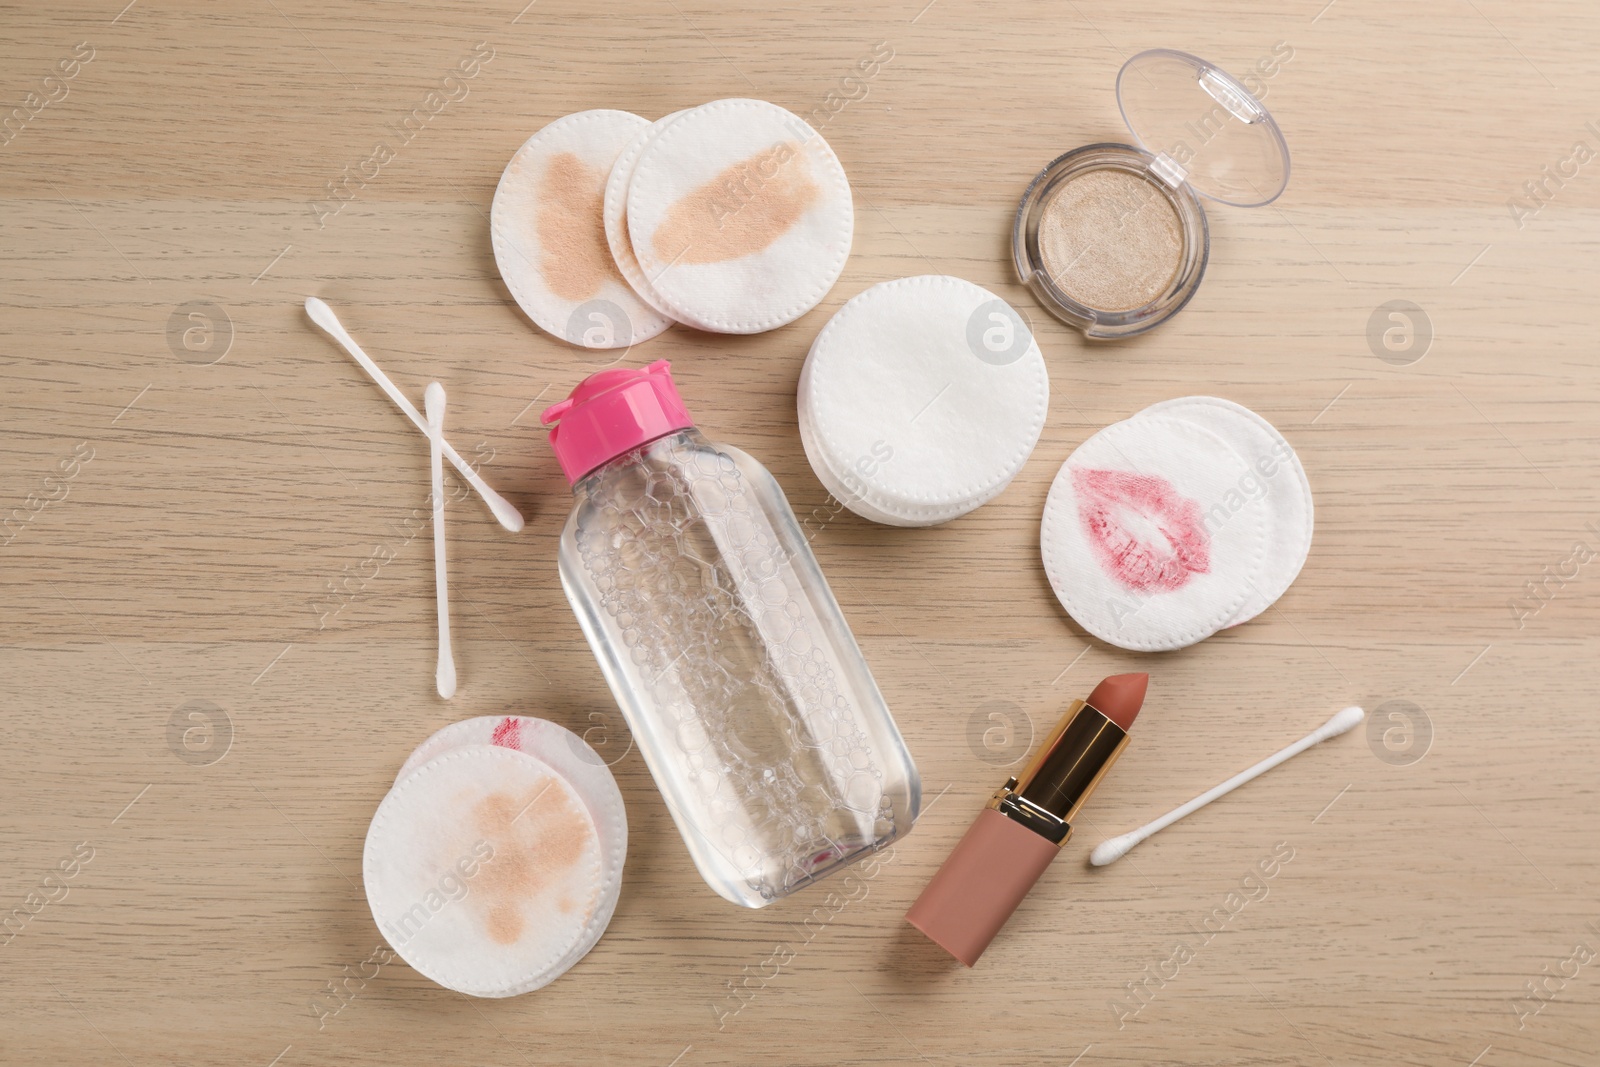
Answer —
(611, 412)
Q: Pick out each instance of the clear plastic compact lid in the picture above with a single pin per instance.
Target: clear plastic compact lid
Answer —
(1203, 127)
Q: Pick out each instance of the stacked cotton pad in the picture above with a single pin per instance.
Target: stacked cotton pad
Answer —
(739, 214)
(1160, 530)
(614, 215)
(921, 399)
(733, 217)
(549, 242)
(495, 862)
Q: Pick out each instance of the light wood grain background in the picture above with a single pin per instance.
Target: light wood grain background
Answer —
(184, 561)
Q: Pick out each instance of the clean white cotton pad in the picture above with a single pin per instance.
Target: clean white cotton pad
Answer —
(615, 214)
(1133, 540)
(1276, 475)
(849, 489)
(483, 871)
(835, 486)
(852, 500)
(740, 215)
(921, 399)
(549, 238)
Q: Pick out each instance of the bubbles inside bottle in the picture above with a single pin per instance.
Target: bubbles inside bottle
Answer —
(739, 678)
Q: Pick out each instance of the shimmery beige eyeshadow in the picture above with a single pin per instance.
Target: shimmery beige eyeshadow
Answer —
(1110, 240)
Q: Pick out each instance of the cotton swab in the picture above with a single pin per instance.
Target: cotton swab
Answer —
(433, 402)
(1115, 848)
(323, 316)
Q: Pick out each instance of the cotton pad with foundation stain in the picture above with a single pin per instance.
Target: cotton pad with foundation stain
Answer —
(484, 871)
(548, 231)
(1130, 541)
(563, 752)
(921, 399)
(573, 759)
(1276, 477)
(615, 214)
(740, 215)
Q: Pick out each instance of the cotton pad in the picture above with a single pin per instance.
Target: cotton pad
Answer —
(549, 234)
(615, 214)
(483, 871)
(921, 399)
(1138, 541)
(740, 215)
(569, 756)
(1276, 475)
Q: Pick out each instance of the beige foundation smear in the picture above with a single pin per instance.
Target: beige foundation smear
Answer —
(1111, 240)
(538, 840)
(741, 211)
(574, 257)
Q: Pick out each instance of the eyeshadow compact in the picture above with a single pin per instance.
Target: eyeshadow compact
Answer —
(1112, 238)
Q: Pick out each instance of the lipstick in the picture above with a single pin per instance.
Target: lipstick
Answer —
(1026, 822)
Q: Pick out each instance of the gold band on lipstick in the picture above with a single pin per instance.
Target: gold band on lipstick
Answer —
(1069, 764)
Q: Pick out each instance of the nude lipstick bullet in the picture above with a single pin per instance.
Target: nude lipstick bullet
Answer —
(1027, 821)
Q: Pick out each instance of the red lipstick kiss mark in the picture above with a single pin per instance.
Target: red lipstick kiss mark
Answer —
(507, 733)
(1145, 534)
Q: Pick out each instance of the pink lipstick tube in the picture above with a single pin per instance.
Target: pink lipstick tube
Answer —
(1026, 822)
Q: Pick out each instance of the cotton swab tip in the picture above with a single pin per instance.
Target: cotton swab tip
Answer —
(1112, 850)
(504, 513)
(433, 402)
(1343, 722)
(321, 313)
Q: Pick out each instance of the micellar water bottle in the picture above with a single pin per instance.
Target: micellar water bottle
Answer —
(723, 645)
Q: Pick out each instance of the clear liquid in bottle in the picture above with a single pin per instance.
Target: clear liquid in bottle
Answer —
(726, 651)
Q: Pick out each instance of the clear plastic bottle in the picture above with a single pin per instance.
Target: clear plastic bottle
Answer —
(725, 649)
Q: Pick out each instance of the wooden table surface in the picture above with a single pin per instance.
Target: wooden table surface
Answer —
(194, 466)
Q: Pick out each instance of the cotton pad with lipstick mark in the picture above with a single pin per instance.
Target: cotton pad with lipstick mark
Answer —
(549, 238)
(483, 869)
(1276, 477)
(740, 215)
(1131, 541)
(921, 399)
